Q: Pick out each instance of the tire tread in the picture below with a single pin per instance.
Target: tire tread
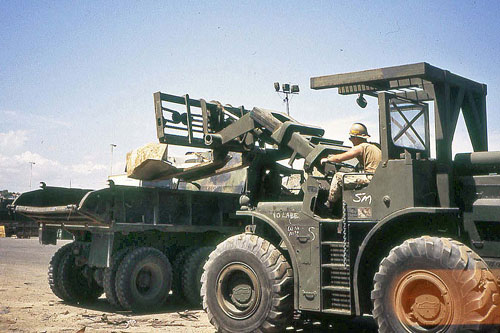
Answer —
(54, 267)
(126, 267)
(190, 280)
(278, 271)
(70, 289)
(477, 282)
(110, 276)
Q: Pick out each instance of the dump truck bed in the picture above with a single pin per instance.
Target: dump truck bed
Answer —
(131, 208)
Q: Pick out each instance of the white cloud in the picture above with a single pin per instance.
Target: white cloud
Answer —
(462, 144)
(9, 113)
(11, 141)
(54, 121)
(119, 167)
(34, 118)
(16, 172)
(87, 168)
(494, 140)
(339, 129)
(39, 160)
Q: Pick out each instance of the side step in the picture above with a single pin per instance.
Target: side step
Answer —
(336, 281)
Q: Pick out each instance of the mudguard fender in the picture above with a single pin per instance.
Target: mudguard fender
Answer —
(396, 217)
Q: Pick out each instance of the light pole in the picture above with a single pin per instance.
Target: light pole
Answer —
(31, 171)
(287, 89)
(111, 168)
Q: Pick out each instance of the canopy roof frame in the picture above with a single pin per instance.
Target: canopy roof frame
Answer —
(422, 82)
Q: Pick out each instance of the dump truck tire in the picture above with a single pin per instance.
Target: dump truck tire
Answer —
(73, 284)
(177, 268)
(191, 274)
(432, 284)
(143, 279)
(54, 268)
(110, 276)
(247, 286)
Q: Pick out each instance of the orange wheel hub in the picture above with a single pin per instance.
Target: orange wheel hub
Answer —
(423, 302)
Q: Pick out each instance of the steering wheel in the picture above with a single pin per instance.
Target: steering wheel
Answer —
(331, 168)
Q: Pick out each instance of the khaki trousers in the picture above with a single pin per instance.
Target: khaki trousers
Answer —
(349, 182)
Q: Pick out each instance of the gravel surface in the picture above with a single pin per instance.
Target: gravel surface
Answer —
(28, 305)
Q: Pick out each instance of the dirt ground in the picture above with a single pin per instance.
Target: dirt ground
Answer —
(28, 305)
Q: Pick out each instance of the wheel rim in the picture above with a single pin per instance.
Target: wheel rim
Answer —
(423, 302)
(238, 290)
(147, 280)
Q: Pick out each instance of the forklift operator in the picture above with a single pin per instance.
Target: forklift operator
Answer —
(368, 155)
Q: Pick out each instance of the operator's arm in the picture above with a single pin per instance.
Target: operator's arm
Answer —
(337, 158)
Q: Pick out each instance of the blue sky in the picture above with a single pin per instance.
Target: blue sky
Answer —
(76, 76)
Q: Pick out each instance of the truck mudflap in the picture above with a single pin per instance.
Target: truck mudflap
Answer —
(63, 206)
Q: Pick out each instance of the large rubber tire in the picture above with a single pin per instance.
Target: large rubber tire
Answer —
(54, 268)
(432, 284)
(191, 274)
(143, 279)
(73, 284)
(110, 276)
(177, 268)
(247, 286)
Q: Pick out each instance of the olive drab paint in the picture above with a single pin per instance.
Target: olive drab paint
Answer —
(335, 253)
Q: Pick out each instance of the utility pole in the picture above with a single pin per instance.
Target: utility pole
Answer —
(287, 89)
(31, 171)
(111, 167)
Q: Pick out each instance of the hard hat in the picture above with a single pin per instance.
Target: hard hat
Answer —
(358, 130)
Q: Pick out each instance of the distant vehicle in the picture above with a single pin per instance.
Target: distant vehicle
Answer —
(16, 224)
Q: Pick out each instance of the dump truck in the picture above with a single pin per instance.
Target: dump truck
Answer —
(417, 247)
(145, 235)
